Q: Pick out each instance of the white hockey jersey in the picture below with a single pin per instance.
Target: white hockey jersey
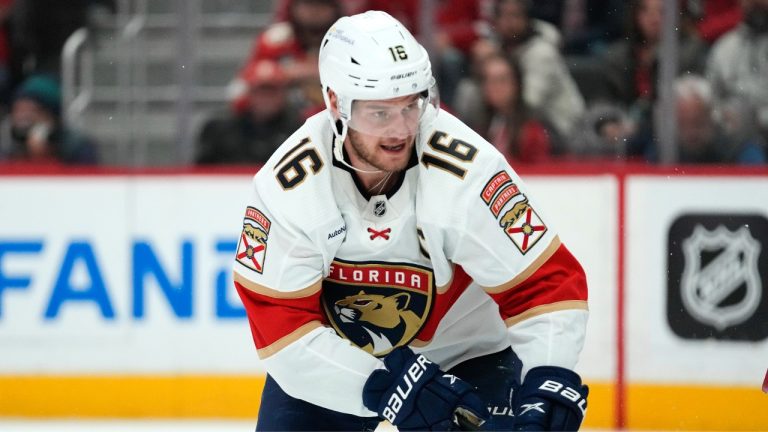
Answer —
(456, 262)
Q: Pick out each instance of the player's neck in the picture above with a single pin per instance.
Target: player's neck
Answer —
(373, 180)
(379, 183)
(376, 181)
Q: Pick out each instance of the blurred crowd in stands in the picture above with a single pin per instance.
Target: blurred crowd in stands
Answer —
(543, 80)
(32, 35)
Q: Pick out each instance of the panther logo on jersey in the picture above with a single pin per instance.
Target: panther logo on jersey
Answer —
(384, 318)
(254, 233)
(513, 214)
(252, 247)
(377, 306)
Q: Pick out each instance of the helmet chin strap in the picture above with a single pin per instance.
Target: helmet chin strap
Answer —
(338, 138)
(338, 149)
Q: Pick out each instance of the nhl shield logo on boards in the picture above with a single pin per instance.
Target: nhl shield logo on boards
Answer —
(717, 277)
(704, 287)
(252, 246)
(377, 306)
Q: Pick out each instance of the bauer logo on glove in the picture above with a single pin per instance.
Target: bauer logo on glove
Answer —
(414, 394)
(415, 371)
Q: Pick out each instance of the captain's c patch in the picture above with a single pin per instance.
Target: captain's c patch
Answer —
(252, 247)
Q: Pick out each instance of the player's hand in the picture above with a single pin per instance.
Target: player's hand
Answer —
(550, 399)
(414, 394)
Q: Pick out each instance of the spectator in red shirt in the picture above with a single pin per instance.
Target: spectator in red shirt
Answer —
(713, 18)
(455, 28)
(294, 45)
(456, 22)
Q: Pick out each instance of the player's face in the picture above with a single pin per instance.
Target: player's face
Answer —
(382, 132)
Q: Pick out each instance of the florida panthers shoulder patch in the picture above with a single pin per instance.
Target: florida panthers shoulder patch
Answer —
(519, 220)
(252, 247)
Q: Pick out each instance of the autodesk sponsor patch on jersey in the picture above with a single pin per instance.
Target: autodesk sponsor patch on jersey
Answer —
(337, 232)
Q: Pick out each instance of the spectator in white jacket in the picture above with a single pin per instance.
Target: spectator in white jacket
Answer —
(549, 86)
(738, 63)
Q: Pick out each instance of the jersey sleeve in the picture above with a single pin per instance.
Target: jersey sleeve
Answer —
(281, 259)
(499, 236)
(278, 271)
(509, 247)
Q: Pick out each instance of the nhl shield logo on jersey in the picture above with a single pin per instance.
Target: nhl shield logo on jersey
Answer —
(380, 208)
(377, 306)
(252, 247)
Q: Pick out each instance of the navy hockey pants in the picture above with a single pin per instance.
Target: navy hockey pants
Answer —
(495, 376)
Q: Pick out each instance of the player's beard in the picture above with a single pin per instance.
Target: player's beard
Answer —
(372, 156)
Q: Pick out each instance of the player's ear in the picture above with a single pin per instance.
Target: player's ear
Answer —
(333, 102)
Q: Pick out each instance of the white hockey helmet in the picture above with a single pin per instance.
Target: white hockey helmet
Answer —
(372, 56)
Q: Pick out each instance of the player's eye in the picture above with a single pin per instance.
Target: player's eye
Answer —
(411, 107)
(412, 111)
(381, 116)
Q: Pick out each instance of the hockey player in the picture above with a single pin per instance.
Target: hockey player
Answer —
(394, 266)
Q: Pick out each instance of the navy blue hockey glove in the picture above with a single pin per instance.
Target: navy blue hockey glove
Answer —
(414, 394)
(551, 399)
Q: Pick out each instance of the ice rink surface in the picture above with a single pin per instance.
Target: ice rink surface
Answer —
(67, 425)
